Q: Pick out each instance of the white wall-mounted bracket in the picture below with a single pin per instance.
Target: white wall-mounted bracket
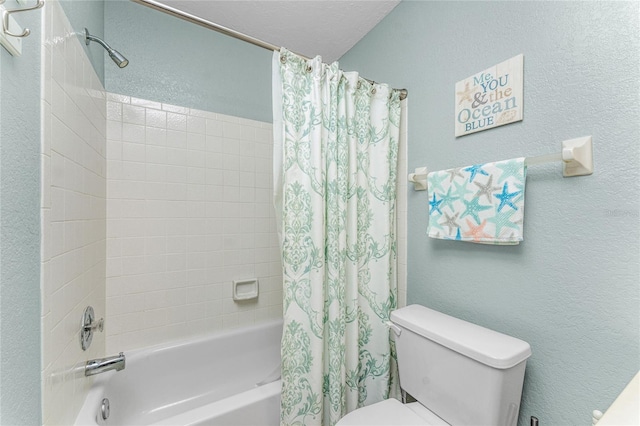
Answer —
(577, 157)
(419, 179)
(12, 44)
(12, 32)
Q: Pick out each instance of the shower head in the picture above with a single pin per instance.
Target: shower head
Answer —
(115, 56)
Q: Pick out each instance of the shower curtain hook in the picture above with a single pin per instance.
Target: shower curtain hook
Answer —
(5, 19)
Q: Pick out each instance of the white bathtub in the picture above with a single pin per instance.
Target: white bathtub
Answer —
(211, 381)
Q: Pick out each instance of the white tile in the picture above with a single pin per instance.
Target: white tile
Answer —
(175, 109)
(176, 156)
(133, 152)
(146, 103)
(133, 171)
(114, 130)
(228, 118)
(132, 133)
(114, 111)
(114, 150)
(176, 122)
(214, 128)
(176, 139)
(176, 173)
(248, 133)
(215, 144)
(196, 124)
(156, 154)
(246, 148)
(196, 141)
(156, 173)
(232, 130)
(176, 261)
(264, 135)
(202, 114)
(118, 98)
(155, 136)
(155, 118)
(133, 114)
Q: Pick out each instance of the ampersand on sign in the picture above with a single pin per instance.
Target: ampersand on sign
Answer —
(477, 101)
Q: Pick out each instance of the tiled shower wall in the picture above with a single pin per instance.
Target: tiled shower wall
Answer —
(189, 210)
(72, 215)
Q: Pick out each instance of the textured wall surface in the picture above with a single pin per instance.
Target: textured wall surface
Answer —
(88, 14)
(300, 26)
(179, 63)
(20, 229)
(571, 289)
(73, 247)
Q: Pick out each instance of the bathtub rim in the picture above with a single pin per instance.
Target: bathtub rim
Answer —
(224, 406)
(134, 354)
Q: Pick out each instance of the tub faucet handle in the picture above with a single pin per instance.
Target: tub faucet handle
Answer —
(87, 326)
(99, 325)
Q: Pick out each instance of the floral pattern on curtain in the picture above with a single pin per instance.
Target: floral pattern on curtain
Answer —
(336, 177)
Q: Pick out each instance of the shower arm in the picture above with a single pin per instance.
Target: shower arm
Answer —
(89, 38)
(115, 56)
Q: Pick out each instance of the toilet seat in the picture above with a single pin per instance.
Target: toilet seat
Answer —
(392, 412)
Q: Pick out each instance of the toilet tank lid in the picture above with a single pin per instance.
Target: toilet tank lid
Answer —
(481, 344)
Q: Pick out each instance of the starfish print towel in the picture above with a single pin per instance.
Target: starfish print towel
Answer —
(482, 203)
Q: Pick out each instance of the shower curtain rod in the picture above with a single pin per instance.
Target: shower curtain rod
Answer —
(153, 4)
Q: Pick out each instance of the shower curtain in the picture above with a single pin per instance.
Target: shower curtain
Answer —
(335, 161)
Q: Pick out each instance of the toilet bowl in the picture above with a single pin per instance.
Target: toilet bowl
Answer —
(460, 374)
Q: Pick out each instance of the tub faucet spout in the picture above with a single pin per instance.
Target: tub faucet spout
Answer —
(100, 365)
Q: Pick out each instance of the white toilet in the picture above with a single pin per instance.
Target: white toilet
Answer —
(460, 374)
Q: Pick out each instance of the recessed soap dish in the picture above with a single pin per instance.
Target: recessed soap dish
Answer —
(245, 290)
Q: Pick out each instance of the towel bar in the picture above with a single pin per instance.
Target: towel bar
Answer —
(576, 157)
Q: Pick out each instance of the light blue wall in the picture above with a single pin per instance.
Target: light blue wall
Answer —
(571, 289)
(20, 230)
(88, 14)
(180, 63)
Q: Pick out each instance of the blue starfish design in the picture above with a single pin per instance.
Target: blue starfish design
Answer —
(435, 181)
(506, 196)
(474, 170)
(513, 168)
(473, 208)
(448, 199)
(434, 205)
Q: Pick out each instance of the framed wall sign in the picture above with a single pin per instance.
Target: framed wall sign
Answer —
(490, 98)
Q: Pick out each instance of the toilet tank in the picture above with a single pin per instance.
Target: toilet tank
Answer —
(464, 373)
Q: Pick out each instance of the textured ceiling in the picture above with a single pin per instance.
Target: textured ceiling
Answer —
(309, 27)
